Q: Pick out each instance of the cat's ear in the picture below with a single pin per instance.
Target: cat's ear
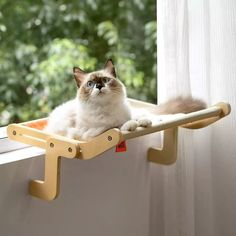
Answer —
(109, 66)
(79, 75)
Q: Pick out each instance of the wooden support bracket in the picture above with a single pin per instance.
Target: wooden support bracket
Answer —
(57, 146)
(167, 155)
(55, 149)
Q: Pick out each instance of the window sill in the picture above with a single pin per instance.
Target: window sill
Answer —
(20, 154)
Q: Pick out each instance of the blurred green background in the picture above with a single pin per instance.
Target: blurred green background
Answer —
(41, 41)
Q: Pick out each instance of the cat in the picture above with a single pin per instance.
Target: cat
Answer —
(101, 104)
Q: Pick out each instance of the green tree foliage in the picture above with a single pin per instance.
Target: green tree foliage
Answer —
(42, 40)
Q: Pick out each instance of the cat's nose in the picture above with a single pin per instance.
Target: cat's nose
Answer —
(99, 86)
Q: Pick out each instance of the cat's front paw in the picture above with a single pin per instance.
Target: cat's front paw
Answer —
(130, 125)
(144, 122)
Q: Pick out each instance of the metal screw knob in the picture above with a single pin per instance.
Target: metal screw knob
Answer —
(51, 145)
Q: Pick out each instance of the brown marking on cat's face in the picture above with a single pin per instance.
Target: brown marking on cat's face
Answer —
(99, 85)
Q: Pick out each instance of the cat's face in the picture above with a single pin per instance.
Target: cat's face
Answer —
(99, 86)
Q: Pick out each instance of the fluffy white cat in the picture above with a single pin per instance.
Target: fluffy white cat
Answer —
(101, 104)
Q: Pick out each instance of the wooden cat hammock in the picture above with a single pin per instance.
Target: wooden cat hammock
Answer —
(58, 146)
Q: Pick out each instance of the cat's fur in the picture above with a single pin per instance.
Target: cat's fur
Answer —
(101, 104)
(181, 105)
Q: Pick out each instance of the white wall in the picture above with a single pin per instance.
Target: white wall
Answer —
(108, 196)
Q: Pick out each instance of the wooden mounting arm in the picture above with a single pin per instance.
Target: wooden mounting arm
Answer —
(168, 153)
(56, 147)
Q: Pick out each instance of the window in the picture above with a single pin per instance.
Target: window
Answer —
(42, 40)
(6, 145)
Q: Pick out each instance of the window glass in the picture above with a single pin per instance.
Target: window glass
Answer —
(41, 41)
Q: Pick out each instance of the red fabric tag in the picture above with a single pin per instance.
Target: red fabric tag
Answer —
(121, 147)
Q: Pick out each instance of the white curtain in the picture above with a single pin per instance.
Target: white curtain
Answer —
(197, 55)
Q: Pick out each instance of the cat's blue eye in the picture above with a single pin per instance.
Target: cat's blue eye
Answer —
(90, 84)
